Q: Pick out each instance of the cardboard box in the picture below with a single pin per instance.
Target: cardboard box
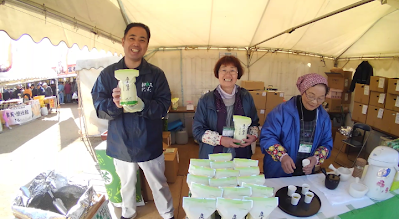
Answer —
(267, 111)
(345, 107)
(259, 99)
(333, 105)
(167, 138)
(253, 85)
(375, 117)
(346, 97)
(391, 121)
(334, 94)
(379, 84)
(359, 113)
(339, 80)
(274, 98)
(392, 102)
(393, 85)
(338, 141)
(377, 99)
(171, 164)
(362, 93)
(262, 116)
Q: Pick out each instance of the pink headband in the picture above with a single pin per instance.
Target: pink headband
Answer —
(307, 81)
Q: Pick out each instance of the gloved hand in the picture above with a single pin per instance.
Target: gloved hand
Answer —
(135, 108)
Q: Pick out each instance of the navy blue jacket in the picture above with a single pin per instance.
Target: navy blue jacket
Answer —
(282, 126)
(206, 118)
(133, 137)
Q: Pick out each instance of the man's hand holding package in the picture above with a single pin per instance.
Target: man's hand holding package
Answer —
(116, 95)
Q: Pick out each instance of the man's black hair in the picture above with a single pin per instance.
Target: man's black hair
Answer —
(145, 27)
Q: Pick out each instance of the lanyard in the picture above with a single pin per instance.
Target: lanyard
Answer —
(303, 122)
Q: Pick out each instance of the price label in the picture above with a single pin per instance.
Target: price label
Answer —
(264, 94)
(381, 99)
(364, 109)
(346, 96)
(397, 118)
(397, 85)
(380, 113)
(281, 94)
(262, 111)
(346, 82)
(397, 101)
(366, 90)
(381, 83)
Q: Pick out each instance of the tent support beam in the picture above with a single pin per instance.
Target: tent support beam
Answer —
(123, 12)
(33, 6)
(292, 29)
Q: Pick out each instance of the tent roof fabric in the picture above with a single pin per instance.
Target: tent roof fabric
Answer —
(371, 29)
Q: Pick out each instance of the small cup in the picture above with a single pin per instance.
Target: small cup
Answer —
(308, 197)
(305, 162)
(305, 188)
(291, 190)
(295, 198)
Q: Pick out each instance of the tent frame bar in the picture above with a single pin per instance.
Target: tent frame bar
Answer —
(48, 12)
(292, 29)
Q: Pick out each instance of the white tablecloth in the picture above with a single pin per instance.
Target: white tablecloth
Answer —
(316, 182)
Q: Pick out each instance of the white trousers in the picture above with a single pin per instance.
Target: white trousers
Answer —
(154, 171)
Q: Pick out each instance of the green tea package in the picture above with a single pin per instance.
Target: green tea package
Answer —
(262, 207)
(259, 190)
(204, 191)
(233, 208)
(199, 207)
(200, 162)
(201, 171)
(248, 171)
(220, 157)
(223, 182)
(197, 179)
(240, 162)
(222, 165)
(241, 125)
(221, 173)
(258, 180)
(236, 192)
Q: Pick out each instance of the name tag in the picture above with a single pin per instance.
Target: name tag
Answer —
(228, 132)
(305, 148)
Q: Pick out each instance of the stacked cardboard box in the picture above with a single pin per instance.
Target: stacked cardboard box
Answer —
(339, 98)
(377, 104)
(265, 101)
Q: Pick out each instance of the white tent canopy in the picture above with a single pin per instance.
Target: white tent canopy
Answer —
(370, 29)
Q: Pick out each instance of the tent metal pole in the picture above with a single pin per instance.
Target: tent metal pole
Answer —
(292, 29)
(123, 12)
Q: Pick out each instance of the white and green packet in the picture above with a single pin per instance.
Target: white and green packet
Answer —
(222, 164)
(222, 173)
(241, 125)
(197, 179)
(236, 192)
(199, 207)
(233, 208)
(200, 162)
(204, 191)
(258, 180)
(201, 171)
(223, 182)
(241, 162)
(248, 171)
(259, 190)
(220, 157)
(262, 207)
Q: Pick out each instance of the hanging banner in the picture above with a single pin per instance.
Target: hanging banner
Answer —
(17, 116)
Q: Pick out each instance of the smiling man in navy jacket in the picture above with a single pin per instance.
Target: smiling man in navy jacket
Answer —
(135, 133)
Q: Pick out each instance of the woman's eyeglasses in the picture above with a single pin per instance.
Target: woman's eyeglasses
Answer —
(230, 72)
(312, 97)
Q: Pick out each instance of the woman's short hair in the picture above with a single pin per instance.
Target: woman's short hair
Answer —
(225, 60)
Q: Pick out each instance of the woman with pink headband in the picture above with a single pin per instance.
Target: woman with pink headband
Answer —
(296, 130)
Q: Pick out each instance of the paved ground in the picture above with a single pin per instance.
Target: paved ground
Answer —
(51, 142)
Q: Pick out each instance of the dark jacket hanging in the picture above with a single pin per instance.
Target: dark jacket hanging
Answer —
(362, 75)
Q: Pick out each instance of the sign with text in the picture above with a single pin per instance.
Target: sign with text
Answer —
(18, 116)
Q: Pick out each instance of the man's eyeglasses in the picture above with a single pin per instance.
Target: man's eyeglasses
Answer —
(312, 97)
(231, 72)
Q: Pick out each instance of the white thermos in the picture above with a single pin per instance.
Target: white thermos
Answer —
(383, 165)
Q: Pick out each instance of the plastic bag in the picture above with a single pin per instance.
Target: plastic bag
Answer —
(75, 96)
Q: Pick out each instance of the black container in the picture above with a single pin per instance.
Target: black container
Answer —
(331, 181)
